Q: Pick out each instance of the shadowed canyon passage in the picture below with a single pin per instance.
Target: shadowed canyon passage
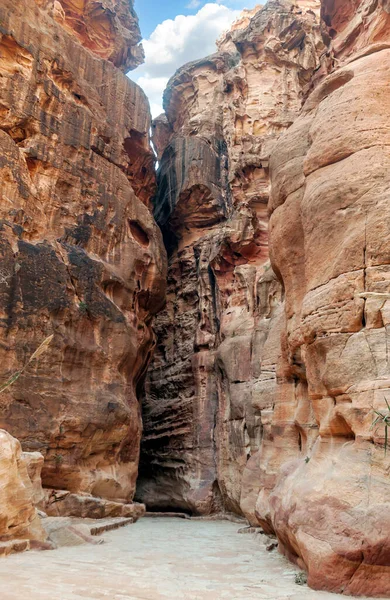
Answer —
(252, 360)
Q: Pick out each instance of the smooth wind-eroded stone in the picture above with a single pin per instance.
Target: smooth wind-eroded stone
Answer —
(18, 515)
(81, 256)
(330, 506)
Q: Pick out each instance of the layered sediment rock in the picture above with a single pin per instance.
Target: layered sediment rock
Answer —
(60, 503)
(81, 256)
(108, 28)
(329, 241)
(212, 381)
(288, 376)
(262, 392)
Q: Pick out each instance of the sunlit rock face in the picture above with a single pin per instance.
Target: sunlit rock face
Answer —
(81, 255)
(329, 239)
(109, 28)
(211, 386)
(18, 493)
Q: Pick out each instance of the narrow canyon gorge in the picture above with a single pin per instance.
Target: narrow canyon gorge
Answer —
(212, 335)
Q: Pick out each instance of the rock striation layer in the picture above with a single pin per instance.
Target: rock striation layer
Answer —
(262, 393)
(81, 256)
(329, 237)
(212, 382)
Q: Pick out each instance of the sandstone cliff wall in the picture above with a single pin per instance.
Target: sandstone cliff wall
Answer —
(81, 256)
(329, 177)
(211, 385)
(262, 393)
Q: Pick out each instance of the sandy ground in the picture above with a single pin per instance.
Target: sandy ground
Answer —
(157, 559)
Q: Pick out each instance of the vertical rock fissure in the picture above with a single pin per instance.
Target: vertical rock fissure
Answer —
(271, 355)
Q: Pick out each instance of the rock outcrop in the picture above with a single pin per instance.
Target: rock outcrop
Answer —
(81, 256)
(212, 382)
(59, 503)
(262, 393)
(329, 242)
(108, 28)
(18, 516)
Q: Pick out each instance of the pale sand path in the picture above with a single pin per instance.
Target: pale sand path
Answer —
(157, 559)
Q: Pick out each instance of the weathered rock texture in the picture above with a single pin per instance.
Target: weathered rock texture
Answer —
(18, 515)
(57, 503)
(108, 28)
(81, 256)
(287, 376)
(330, 234)
(212, 381)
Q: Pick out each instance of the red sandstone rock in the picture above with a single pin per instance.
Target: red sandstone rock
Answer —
(213, 375)
(109, 28)
(238, 373)
(34, 463)
(161, 134)
(329, 239)
(317, 475)
(58, 503)
(81, 256)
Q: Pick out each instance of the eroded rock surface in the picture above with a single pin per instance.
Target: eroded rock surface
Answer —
(18, 515)
(330, 507)
(59, 503)
(261, 395)
(81, 256)
(109, 28)
(212, 381)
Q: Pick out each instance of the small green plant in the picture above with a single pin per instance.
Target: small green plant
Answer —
(83, 307)
(307, 459)
(383, 418)
(58, 460)
(38, 352)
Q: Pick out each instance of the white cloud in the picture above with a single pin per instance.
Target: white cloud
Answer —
(241, 4)
(183, 39)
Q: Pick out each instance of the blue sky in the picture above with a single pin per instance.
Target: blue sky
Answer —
(153, 12)
(176, 32)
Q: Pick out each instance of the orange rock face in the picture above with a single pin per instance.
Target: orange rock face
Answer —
(261, 398)
(213, 377)
(262, 392)
(81, 256)
(109, 28)
(18, 515)
(330, 510)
